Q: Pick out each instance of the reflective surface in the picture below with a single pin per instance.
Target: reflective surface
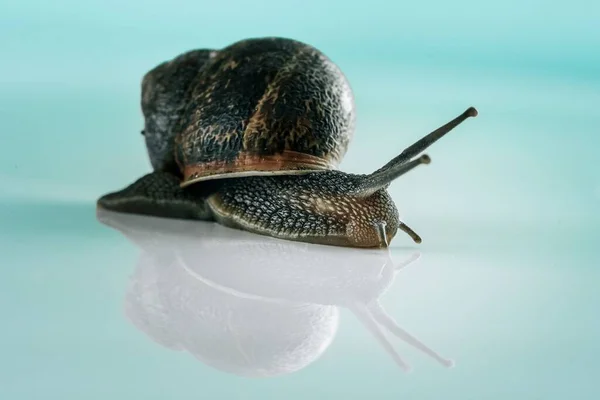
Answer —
(258, 306)
(103, 304)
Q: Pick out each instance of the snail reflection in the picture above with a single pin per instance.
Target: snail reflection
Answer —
(250, 305)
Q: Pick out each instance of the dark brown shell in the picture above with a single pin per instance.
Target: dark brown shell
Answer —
(257, 107)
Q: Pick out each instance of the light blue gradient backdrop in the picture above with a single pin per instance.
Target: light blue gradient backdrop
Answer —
(70, 76)
(520, 184)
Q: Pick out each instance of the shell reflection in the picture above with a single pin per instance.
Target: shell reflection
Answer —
(251, 305)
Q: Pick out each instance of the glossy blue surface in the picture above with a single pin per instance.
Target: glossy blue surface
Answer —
(509, 210)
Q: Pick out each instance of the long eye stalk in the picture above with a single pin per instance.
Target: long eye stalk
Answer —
(402, 163)
(420, 145)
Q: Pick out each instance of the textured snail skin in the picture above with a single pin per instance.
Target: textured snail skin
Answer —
(317, 207)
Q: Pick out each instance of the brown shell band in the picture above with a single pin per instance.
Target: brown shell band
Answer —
(285, 163)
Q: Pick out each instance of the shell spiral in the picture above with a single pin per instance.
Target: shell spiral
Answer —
(257, 107)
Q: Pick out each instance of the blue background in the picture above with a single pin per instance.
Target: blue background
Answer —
(510, 202)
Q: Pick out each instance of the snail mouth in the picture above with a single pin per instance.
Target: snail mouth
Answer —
(285, 163)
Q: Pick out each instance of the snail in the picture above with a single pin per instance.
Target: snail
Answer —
(251, 136)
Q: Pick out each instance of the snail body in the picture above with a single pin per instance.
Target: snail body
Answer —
(250, 136)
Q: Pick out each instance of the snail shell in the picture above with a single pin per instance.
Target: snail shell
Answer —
(257, 107)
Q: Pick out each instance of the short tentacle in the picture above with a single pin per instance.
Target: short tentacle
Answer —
(381, 179)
